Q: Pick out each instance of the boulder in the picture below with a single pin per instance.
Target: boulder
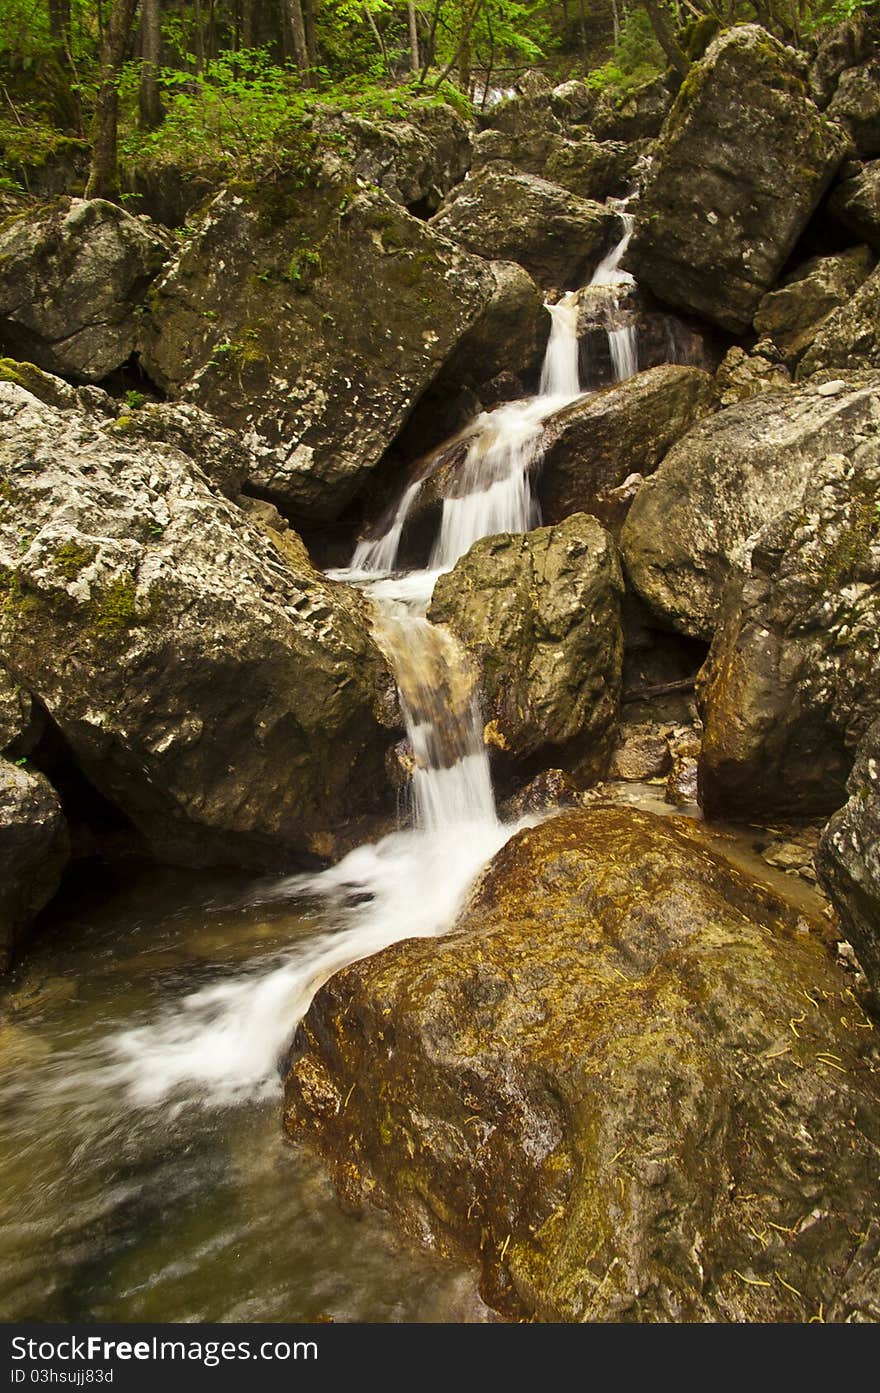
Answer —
(842, 46)
(415, 161)
(311, 320)
(207, 681)
(629, 1082)
(793, 676)
(220, 453)
(73, 278)
(741, 375)
(792, 315)
(592, 446)
(850, 338)
(691, 522)
(856, 203)
(634, 113)
(725, 202)
(33, 851)
(856, 106)
(848, 858)
(555, 235)
(590, 168)
(540, 612)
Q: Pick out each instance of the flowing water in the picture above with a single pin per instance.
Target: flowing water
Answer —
(145, 1174)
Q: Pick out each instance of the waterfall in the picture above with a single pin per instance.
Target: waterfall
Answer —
(623, 339)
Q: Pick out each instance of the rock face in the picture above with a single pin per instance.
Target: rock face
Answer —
(594, 445)
(541, 614)
(73, 276)
(856, 105)
(714, 241)
(856, 203)
(848, 859)
(691, 521)
(415, 162)
(741, 375)
(222, 694)
(851, 337)
(591, 1084)
(589, 168)
(311, 320)
(791, 316)
(555, 235)
(33, 851)
(793, 677)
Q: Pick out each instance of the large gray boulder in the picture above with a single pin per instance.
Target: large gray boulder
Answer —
(33, 851)
(793, 677)
(208, 682)
(555, 235)
(631, 1083)
(791, 316)
(725, 200)
(856, 106)
(415, 161)
(540, 612)
(311, 321)
(850, 338)
(594, 445)
(848, 858)
(73, 278)
(692, 521)
(856, 203)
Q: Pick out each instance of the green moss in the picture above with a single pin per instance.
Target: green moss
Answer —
(71, 559)
(851, 550)
(116, 607)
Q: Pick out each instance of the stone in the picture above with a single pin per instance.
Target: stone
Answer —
(791, 316)
(725, 202)
(34, 848)
(849, 338)
(594, 445)
(540, 613)
(848, 858)
(558, 237)
(842, 46)
(691, 522)
(310, 319)
(415, 161)
(855, 202)
(642, 752)
(635, 113)
(220, 453)
(792, 682)
(591, 1085)
(552, 788)
(74, 275)
(207, 681)
(742, 375)
(856, 106)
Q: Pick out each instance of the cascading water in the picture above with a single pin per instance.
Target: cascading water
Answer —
(623, 339)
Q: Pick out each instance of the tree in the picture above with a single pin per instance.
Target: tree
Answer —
(149, 101)
(103, 179)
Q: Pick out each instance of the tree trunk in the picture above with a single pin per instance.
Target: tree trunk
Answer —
(150, 111)
(414, 60)
(59, 26)
(103, 176)
(199, 35)
(298, 35)
(247, 24)
(311, 33)
(666, 37)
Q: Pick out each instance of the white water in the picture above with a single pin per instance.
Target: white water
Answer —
(224, 1042)
(623, 341)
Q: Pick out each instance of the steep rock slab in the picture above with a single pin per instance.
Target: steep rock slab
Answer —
(33, 851)
(594, 445)
(73, 277)
(851, 337)
(792, 316)
(592, 1086)
(726, 200)
(226, 699)
(540, 612)
(691, 522)
(856, 203)
(555, 235)
(311, 320)
(793, 676)
(848, 859)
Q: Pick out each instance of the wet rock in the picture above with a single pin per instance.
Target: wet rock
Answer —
(850, 338)
(33, 851)
(552, 788)
(540, 612)
(856, 106)
(725, 202)
(594, 445)
(691, 521)
(793, 677)
(642, 752)
(228, 702)
(555, 235)
(682, 782)
(741, 375)
(856, 203)
(311, 321)
(73, 277)
(791, 316)
(848, 858)
(591, 1084)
